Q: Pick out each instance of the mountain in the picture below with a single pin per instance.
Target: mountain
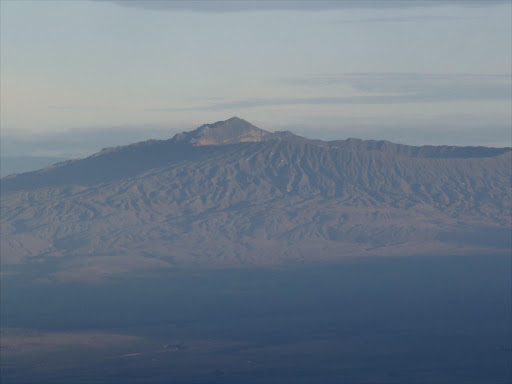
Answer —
(231, 194)
(232, 131)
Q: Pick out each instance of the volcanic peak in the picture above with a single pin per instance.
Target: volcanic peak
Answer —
(231, 131)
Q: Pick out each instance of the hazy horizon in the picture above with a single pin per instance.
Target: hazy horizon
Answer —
(78, 76)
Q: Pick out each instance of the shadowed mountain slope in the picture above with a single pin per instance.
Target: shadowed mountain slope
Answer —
(229, 194)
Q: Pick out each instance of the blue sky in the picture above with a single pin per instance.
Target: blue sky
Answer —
(80, 75)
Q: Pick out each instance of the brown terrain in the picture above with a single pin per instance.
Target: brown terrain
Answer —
(231, 194)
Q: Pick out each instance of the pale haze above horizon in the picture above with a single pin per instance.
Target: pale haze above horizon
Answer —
(77, 76)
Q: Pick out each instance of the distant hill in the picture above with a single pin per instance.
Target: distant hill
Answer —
(231, 194)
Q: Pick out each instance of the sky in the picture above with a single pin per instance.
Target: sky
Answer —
(77, 76)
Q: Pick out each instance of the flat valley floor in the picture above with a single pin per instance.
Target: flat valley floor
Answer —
(394, 320)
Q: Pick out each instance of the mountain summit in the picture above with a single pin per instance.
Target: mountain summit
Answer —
(231, 131)
(230, 193)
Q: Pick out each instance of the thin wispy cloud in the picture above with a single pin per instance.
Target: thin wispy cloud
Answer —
(292, 5)
(380, 88)
(84, 108)
(398, 79)
(403, 19)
